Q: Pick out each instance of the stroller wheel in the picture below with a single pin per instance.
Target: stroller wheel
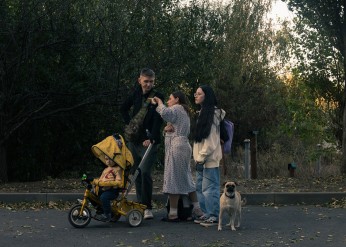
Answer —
(77, 220)
(134, 217)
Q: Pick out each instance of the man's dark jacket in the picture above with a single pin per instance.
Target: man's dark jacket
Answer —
(152, 120)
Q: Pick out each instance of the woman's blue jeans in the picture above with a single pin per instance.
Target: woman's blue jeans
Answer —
(208, 191)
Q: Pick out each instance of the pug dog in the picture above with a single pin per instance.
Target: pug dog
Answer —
(230, 205)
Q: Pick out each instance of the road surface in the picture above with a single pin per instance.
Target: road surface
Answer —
(261, 226)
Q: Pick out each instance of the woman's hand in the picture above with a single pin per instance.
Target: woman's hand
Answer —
(156, 100)
(168, 128)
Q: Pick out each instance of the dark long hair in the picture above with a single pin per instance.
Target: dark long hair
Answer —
(206, 115)
(183, 101)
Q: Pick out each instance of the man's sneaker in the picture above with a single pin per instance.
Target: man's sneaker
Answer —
(212, 221)
(200, 219)
(148, 214)
(197, 212)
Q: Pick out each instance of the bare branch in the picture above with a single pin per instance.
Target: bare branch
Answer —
(24, 120)
(86, 102)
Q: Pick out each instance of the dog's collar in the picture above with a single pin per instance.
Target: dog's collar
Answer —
(232, 195)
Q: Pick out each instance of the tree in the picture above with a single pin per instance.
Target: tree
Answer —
(58, 56)
(64, 66)
(44, 69)
(323, 22)
(247, 86)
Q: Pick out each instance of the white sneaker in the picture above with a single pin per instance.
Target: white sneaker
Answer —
(148, 214)
(201, 219)
(212, 221)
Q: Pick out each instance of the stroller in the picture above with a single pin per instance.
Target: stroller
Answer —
(114, 147)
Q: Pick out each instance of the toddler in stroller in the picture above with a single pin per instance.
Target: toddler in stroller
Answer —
(107, 188)
(103, 192)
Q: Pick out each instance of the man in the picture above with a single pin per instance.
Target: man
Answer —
(137, 109)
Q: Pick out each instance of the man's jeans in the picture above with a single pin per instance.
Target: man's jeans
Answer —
(208, 191)
(144, 181)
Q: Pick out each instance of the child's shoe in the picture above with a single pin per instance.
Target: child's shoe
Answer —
(103, 217)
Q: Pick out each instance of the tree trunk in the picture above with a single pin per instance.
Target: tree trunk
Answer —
(343, 165)
(3, 164)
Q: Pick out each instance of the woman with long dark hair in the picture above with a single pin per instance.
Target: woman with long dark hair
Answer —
(207, 154)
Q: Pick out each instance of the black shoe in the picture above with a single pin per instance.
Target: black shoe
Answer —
(103, 217)
(99, 210)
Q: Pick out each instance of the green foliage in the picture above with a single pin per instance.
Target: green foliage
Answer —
(320, 49)
(66, 66)
(247, 88)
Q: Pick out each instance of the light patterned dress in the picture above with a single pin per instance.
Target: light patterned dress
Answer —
(177, 173)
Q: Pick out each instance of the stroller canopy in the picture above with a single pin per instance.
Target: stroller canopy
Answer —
(115, 148)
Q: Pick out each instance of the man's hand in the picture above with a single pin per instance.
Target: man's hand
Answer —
(146, 143)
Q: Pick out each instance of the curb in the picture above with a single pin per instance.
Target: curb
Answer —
(308, 198)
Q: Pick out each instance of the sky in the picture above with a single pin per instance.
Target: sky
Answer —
(280, 10)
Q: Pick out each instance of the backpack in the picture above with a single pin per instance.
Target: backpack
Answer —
(226, 134)
(133, 130)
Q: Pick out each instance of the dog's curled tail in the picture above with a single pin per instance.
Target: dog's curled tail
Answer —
(243, 202)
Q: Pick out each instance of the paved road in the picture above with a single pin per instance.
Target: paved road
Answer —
(261, 226)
